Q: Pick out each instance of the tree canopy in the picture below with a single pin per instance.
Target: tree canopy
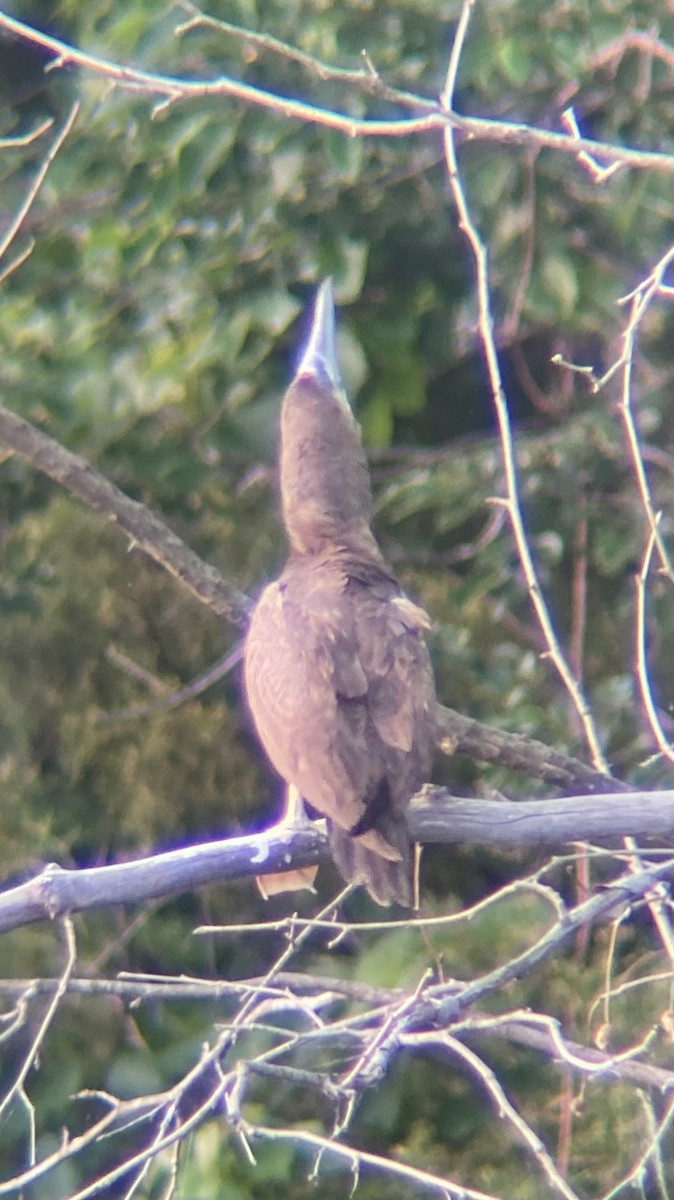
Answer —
(490, 187)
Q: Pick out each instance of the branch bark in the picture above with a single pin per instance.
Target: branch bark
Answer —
(170, 89)
(147, 532)
(435, 818)
(529, 1029)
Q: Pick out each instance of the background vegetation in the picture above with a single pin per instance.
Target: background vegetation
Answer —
(152, 329)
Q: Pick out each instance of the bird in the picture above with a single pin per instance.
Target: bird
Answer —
(337, 672)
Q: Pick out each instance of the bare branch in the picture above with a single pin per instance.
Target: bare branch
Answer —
(535, 1030)
(459, 734)
(487, 337)
(189, 692)
(438, 117)
(56, 891)
(433, 1007)
(635, 1177)
(664, 746)
(503, 1105)
(40, 175)
(625, 891)
(540, 1032)
(641, 300)
(146, 531)
(33, 1052)
(355, 1159)
(435, 818)
(25, 139)
(366, 78)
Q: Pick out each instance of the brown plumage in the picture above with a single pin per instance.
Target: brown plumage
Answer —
(337, 671)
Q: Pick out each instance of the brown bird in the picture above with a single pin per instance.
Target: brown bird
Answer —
(337, 672)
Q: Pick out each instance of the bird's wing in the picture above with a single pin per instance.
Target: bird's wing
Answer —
(293, 650)
(340, 687)
(395, 659)
(401, 692)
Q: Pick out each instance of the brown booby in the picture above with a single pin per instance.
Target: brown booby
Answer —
(337, 672)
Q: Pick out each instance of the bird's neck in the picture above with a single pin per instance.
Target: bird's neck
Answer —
(325, 487)
(356, 551)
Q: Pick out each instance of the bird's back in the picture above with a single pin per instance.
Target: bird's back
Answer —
(341, 689)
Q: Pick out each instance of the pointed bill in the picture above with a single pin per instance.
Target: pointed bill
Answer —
(320, 358)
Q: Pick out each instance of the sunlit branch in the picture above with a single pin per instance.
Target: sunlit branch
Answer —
(436, 818)
(665, 747)
(171, 89)
(486, 329)
(31, 192)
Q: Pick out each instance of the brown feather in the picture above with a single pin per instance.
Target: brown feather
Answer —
(336, 668)
(341, 690)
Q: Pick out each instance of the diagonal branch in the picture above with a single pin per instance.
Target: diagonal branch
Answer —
(147, 532)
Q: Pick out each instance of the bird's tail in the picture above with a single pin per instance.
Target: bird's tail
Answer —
(381, 859)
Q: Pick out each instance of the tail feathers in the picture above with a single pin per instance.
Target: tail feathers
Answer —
(382, 862)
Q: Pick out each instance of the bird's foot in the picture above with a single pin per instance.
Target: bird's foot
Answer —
(302, 878)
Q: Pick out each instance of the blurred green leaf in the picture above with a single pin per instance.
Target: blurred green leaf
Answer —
(153, 329)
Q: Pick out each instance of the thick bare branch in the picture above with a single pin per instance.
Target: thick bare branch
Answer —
(602, 819)
(436, 817)
(56, 891)
(462, 735)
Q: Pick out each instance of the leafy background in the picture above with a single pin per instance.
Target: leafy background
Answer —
(152, 330)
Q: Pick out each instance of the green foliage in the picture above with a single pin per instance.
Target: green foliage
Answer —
(152, 329)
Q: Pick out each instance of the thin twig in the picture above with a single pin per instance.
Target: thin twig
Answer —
(189, 692)
(486, 330)
(479, 1069)
(25, 139)
(640, 302)
(664, 745)
(27, 202)
(355, 1159)
(635, 1177)
(38, 1040)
